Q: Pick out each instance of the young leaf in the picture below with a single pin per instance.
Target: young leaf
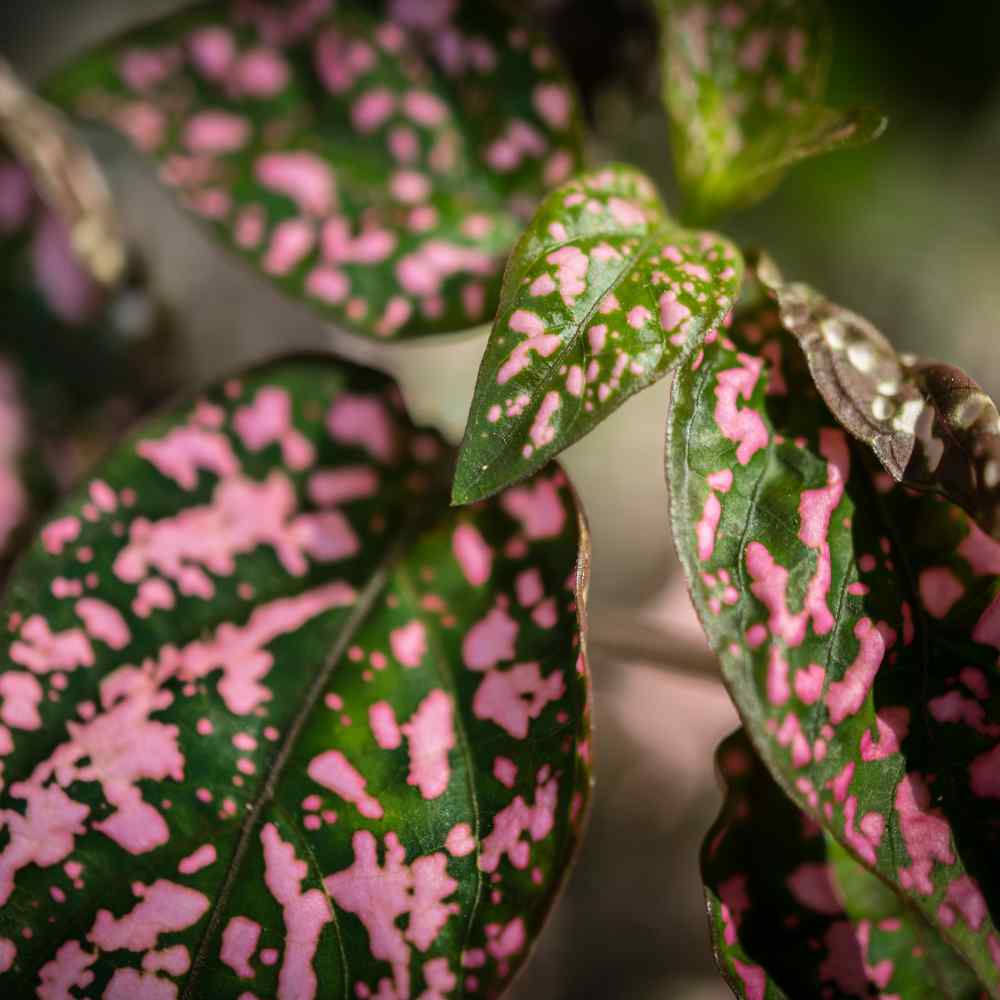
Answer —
(602, 296)
(793, 915)
(743, 85)
(858, 624)
(280, 723)
(375, 159)
(931, 426)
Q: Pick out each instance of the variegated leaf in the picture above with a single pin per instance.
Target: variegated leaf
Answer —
(602, 296)
(744, 82)
(375, 159)
(858, 625)
(931, 426)
(279, 723)
(793, 915)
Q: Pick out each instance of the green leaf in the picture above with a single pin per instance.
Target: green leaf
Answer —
(376, 159)
(857, 622)
(602, 296)
(280, 723)
(793, 915)
(931, 426)
(743, 85)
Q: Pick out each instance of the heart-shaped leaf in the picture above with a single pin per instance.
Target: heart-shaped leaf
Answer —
(931, 426)
(277, 722)
(793, 915)
(602, 296)
(376, 159)
(743, 85)
(857, 622)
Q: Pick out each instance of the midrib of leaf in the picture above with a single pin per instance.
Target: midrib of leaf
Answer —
(573, 342)
(424, 514)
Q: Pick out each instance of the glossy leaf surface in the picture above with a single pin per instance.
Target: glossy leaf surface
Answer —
(858, 625)
(279, 723)
(743, 84)
(931, 425)
(601, 297)
(793, 915)
(376, 159)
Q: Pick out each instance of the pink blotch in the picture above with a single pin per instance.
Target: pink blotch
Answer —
(925, 831)
(305, 178)
(409, 643)
(216, 132)
(333, 771)
(514, 697)
(385, 729)
(165, 908)
(538, 507)
(474, 555)
(103, 622)
(490, 641)
(365, 421)
(460, 841)
(431, 735)
(505, 771)
(940, 589)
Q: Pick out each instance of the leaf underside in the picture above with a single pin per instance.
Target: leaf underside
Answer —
(857, 622)
(930, 425)
(602, 295)
(743, 85)
(793, 915)
(376, 160)
(277, 722)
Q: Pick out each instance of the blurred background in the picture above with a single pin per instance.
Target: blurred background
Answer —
(906, 232)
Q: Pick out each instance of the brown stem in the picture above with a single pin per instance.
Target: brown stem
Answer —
(66, 173)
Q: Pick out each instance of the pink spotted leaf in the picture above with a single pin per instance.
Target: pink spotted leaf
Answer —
(857, 623)
(793, 915)
(931, 426)
(744, 83)
(276, 721)
(376, 160)
(602, 296)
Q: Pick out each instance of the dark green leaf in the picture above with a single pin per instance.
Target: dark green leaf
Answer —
(858, 625)
(602, 296)
(793, 915)
(743, 84)
(280, 723)
(931, 426)
(375, 159)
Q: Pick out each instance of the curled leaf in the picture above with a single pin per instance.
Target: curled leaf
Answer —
(602, 296)
(374, 159)
(857, 623)
(793, 915)
(743, 85)
(931, 426)
(278, 722)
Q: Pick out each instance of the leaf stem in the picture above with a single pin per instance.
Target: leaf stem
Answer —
(67, 174)
(617, 635)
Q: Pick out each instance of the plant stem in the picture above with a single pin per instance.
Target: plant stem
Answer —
(617, 635)
(67, 175)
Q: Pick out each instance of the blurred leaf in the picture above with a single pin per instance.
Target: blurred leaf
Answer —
(857, 622)
(743, 85)
(793, 915)
(931, 426)
(375, 159)
(278, 722)
(602, 296)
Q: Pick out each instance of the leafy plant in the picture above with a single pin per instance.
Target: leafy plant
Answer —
(277, 720)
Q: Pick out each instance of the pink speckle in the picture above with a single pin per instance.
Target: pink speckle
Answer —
(513, 697)
(165, 908)
(490, 641)
(382, 719)
(304, 177)
(239, 943)
(846, 697)
(57, 534)
(261, 72)
(409, 643)
(213, 50)
(744, 426)
(200, 858)
(474, 555)
(216, 132)
(925, 831)
(460, 840)
(431, 735)
(672, 312)
(808, 683)
(103, 622)
(365, 421)
(505, 771)
(379, 896)
(372, 109)
(291, 242)
(893, 725)
(8, 953)
(512, 822)
(638, 317)
(305, 915)
(333, 771)
(940, 589)
(538, 507)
